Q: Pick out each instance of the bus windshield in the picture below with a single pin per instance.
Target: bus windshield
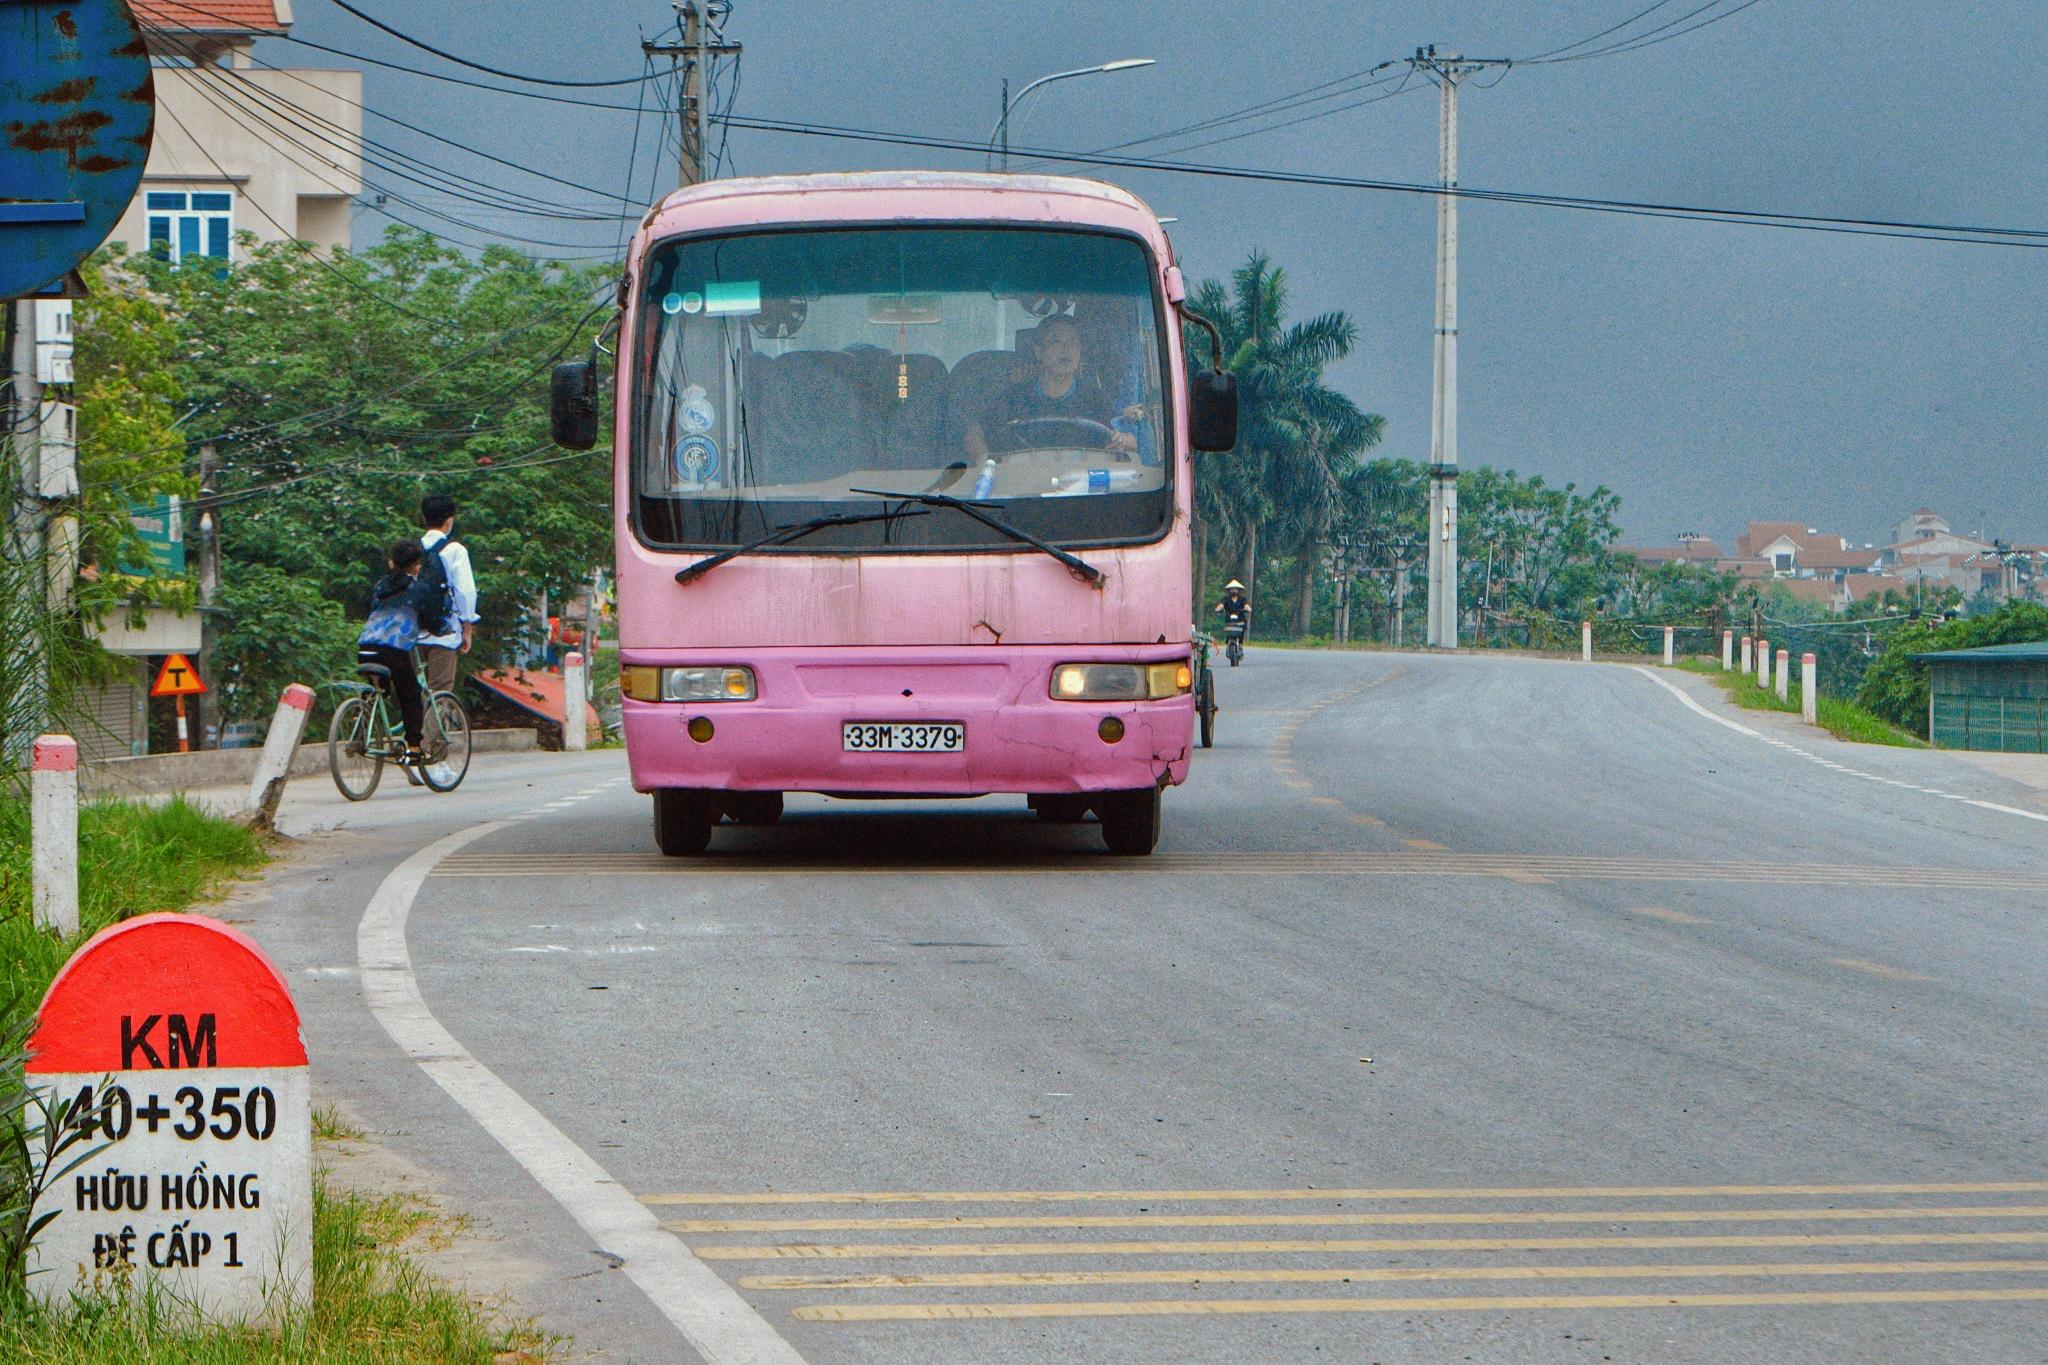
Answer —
(782, 373)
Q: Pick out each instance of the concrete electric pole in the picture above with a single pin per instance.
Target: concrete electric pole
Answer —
(695, 51)
(1447, 70)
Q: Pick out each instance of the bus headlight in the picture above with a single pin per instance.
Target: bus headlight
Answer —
(687, 684)
(1120, 682)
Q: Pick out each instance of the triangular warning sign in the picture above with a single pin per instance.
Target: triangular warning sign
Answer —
(177, 678)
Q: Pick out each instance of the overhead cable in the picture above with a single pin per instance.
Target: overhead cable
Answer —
(404, 37)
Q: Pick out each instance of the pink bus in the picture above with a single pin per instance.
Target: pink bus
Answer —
(902, 493)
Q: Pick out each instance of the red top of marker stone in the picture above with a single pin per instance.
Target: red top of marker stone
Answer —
(163, 966)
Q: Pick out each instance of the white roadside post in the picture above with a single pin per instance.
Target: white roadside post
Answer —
(1727, 650)
(575, 736)
(1747, 645)
(1586, 641)
(175, 1043)
(53, 817)
(1668, 632)
(1809, 689)
(1763, 663)
(274, 769)
(1784, 683)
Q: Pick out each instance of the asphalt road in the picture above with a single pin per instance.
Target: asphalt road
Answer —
(1473, 1008)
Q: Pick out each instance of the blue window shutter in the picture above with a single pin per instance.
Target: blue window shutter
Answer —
(217, 237)
(159, 236)
(188, 237)
(158, 199)
(212, 203)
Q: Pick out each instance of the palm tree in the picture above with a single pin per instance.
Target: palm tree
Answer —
(1297, 438)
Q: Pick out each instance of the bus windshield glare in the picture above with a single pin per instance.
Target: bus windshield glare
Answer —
(782, 372)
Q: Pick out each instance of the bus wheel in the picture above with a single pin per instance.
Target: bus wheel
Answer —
(1130, 821)
(753, 808)
(1060, 808)
(682, 821)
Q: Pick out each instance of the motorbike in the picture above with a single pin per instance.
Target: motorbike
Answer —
(1233, 641)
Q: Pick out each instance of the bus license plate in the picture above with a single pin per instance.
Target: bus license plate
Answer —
(900, 737)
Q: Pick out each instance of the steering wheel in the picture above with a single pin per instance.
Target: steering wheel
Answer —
(1103, 434)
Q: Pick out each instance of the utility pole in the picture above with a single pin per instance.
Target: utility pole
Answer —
(209, 592)
(698, 47)
(1447, 70)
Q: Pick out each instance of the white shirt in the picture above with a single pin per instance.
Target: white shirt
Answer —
(461, 585)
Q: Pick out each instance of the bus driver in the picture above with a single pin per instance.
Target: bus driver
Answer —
(1061, 387)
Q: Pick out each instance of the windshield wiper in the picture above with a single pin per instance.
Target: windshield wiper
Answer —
(783, 535)
(1079, 567)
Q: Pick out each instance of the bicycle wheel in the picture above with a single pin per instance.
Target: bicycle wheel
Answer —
(447, 744)
(351, 751)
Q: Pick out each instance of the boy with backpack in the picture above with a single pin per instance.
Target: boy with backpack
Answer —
(398, 602)
(449, 628)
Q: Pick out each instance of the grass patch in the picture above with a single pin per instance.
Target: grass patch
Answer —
(1839, 717)
(371, 1304)
(1846, 720)
(132, 859)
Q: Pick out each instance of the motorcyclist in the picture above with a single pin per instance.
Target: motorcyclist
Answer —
(1235, 608)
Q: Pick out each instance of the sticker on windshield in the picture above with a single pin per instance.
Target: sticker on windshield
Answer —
(732, 296)
(696, 462)
(672, 303)
(696, 410)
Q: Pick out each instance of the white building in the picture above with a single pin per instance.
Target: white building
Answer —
(241, 147)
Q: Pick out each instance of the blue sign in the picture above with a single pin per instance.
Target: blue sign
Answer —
(77, 112)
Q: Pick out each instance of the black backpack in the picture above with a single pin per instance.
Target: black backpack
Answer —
(436, 593)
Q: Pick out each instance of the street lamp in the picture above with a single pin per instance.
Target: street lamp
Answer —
(1000, 137)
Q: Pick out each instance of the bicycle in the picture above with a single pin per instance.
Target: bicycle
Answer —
(367, 731)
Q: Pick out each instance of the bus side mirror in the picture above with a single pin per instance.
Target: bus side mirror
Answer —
(1212, 411)
(572, 405)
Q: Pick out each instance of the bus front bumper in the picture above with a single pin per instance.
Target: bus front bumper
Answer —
(1016, 737)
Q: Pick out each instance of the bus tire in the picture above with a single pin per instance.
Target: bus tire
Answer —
(1130, 821)
(753, 808)
(682, 821)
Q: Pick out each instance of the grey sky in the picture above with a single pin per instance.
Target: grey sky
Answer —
(1709, 374)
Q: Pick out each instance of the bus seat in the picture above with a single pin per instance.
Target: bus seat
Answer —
(906, 395)
(977, 379)
(805, 420)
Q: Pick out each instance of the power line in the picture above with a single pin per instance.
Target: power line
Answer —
(269, 106)
(1595, 37)
(1960, 233)
(437, 137)
(1648, 37)
(407, 38)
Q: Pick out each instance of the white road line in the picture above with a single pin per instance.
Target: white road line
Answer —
(1812, 757)
(707, 1311)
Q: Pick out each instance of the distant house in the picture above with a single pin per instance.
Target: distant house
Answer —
(241, 147)
(1689, 550)
(1790, 549)
(1923, 524)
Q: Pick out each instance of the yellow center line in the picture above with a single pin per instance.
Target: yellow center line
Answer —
(1683, 1270)
(1341, 1193)
(1371, 820)
(1669, 916)
(1430, 845)
(875, 1251)
(1857, 964)
(1485, 1303)
(1376, 1219)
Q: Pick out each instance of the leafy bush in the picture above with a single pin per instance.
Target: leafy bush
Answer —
(278, 629)
(1895, 687)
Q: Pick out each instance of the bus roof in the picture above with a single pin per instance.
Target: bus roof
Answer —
(839, 195)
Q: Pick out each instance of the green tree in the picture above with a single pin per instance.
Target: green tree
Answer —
(1297, 438)
(1896, 688)
(339, 391)
(279, 629)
